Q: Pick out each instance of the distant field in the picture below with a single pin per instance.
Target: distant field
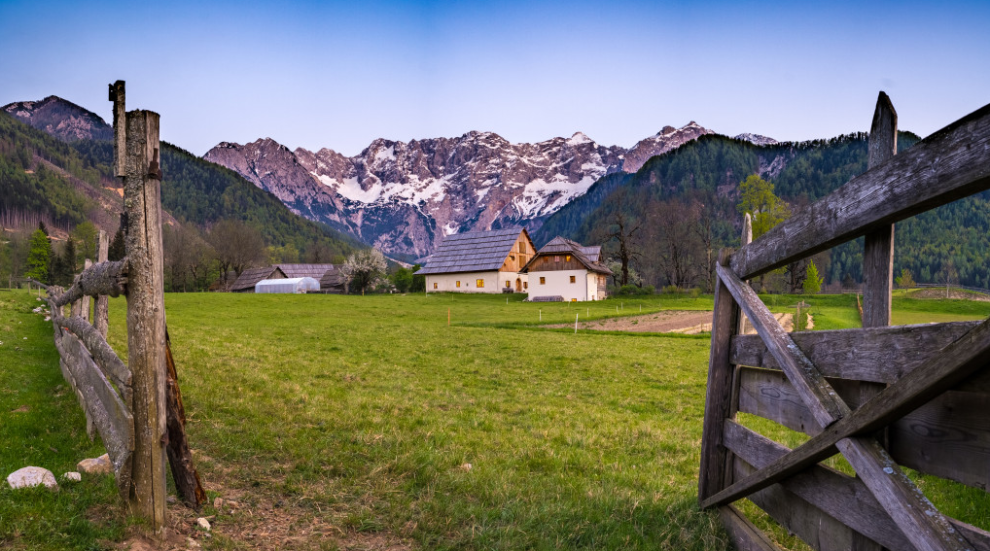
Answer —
(367, 422)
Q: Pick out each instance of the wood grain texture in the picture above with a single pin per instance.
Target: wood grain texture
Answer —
(878, 248)
(879, 355)
(104, 356)
(105, 278)
(922, 523)
(108, 412)
(844, 497)
(101, 314)
(953, 365)
(745, 536)
(815, 392)
(145, 317)
(948, 437)
(950, 164)
(818, 529)
(713, 470)
(187, 483)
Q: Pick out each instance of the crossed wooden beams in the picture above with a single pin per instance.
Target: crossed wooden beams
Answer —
(845, 430)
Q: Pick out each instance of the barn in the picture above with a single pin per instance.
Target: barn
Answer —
(569, 270)
(326, 274)
(480, 262)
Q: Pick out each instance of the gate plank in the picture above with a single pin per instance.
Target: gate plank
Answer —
(950, 164)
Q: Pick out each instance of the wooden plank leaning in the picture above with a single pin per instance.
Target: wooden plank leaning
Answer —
(841, 496)
(953, 364)
(108, 412)
(713, 471)
(918, 518)
(948, 165)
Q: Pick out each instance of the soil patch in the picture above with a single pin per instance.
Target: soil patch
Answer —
(670, 321)
(953, 293)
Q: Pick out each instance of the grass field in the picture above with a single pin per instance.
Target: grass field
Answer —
(342, 422)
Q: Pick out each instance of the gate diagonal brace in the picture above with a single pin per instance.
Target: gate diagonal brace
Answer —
(914, 514)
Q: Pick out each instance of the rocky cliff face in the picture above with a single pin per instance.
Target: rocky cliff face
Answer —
(62, 119)
(404, 197)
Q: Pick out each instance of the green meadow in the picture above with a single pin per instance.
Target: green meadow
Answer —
(340, 422)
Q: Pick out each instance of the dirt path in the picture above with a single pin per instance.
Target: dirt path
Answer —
(671, 321)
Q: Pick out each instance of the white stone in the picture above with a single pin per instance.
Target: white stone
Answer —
(32, 476)
(73, 476)
(99, 465)
(203, 523)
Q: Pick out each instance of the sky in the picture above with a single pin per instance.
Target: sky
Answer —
(341, 74)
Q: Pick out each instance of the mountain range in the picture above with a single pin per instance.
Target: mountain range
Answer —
(403, 198)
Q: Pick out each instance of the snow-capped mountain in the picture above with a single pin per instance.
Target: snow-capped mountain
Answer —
(404, 197)
(755, 139)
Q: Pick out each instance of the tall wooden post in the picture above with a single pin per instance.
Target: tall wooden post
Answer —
(745, 239)
(101, 312)
(878, 252)
(86, 302)
(145, 305)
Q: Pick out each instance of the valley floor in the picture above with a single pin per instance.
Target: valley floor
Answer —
(340, 422)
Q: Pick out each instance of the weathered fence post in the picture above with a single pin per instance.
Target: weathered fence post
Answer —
(101, 312)
(878, 251)
(745, 239)
(145, 303)
(85, 302)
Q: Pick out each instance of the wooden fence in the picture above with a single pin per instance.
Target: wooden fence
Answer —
(136, 407)
(884, 397)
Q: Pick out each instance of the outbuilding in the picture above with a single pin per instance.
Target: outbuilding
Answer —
(293, 285)
(564, 268)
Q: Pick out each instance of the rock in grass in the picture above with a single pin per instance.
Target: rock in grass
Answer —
(203, 523)
(29, 477)
(72, 476)
(99, 465)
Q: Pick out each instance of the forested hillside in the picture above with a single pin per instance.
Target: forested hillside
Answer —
(697, 186)
(64, 185)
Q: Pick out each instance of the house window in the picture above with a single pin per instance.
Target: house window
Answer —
(480, 283)
(556, 258)
(508, 284)
(434, 285)
(567, 258)
(525, 285)
(522, 247)
(458, 284)
(573, 279)
(543, 281)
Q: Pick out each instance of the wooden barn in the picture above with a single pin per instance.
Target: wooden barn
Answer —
(568, 270)
(327, 274)
(480, 262)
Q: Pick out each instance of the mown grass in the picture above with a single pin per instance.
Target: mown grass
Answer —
(42, 425)
(363, 413)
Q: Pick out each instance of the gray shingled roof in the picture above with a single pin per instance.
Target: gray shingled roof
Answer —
(315, 271)
(476, 251)
(561, 245)
(593, 253)
(251, 276)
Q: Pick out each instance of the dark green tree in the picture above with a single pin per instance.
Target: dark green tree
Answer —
(39, 256)
(117, 250)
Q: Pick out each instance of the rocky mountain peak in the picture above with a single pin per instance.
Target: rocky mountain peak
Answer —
(667, 139)
(61, 118)
(756, 139)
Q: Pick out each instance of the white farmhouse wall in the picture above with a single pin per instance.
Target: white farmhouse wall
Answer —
(494, 282)
(558, 283)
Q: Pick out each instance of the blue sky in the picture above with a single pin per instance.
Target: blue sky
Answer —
(338, 75)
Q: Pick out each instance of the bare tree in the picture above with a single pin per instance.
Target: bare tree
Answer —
(185, 256)
(948, 275)
(704, 230)
(238, 246)
(621, 229)
(672, 232)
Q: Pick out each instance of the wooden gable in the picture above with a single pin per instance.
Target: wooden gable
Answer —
(521, 253)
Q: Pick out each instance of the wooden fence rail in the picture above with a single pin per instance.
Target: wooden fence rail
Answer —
(135, 406)
(926, 388)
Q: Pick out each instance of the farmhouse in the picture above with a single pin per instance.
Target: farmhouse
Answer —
(326, 274)
(480, 262)
(568, 270)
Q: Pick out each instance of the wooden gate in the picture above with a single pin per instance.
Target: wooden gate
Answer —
(884, 397)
